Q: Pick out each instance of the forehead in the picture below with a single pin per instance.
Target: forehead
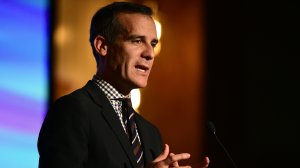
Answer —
(138, 24)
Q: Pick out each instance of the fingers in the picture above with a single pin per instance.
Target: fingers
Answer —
(205, 162)
(174, 164)
(163, 155)
(175, 158)
(166, 159)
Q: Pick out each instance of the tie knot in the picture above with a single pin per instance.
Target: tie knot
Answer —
(126, 102)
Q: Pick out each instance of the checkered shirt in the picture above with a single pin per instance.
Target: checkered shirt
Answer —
(113, 95)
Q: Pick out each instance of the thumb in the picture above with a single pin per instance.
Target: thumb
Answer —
(163, 155)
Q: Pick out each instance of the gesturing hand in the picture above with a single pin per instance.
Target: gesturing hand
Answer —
(166, 160)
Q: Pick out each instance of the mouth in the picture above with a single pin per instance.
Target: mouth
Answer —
(142, 68)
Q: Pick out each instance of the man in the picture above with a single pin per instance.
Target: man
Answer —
(95, 125)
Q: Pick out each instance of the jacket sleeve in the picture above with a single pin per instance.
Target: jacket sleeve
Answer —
(63, 138)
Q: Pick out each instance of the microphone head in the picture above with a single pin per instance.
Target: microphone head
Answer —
(211, 127)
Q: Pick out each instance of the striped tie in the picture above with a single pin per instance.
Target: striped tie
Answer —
(131, 129)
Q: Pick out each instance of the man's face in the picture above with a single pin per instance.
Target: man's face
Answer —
(130, 57)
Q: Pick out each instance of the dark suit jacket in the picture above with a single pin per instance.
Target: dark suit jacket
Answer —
(83, 130)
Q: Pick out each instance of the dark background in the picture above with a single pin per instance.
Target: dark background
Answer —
(253, 82)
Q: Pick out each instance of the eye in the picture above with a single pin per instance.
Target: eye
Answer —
(137, 41)
(154, 43)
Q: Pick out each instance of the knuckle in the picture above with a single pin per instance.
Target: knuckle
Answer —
(173, 158)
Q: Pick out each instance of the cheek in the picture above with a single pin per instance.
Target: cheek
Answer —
(126, 57)
(117, 60)
(151, 64)
(131, 57)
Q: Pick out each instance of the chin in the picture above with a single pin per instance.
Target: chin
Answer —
(140, 84)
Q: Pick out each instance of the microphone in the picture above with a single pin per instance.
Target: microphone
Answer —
(212, 129)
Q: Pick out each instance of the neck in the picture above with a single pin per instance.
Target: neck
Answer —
(116, 84)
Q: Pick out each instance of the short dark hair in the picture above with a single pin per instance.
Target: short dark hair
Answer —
(105, 22)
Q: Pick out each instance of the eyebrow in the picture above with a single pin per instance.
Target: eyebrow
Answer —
(130, 37)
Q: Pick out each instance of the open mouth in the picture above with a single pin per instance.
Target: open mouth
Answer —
(142, 68)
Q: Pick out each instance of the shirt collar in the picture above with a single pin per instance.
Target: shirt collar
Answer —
(110, 91)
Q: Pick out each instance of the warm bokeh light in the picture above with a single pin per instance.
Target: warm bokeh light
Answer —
(159, 33)
(158, 28)
(61, 35)
(136, 98)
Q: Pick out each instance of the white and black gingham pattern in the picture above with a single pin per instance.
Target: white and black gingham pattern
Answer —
(113, 95)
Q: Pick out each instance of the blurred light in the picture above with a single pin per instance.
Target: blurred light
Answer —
(24, 42)
(61, 35)
(158, 28)
(136, 98)
(159, 32)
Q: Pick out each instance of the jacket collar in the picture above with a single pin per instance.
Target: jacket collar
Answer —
(111, 118)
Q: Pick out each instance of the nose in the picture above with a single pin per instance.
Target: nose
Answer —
(148, 52)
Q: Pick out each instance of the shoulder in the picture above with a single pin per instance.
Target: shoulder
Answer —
(73, 105)
(75, 98)
(82, 105)
(69, 112)
(78, 97)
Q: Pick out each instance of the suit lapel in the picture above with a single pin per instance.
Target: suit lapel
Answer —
(111, 118)
(145, 139)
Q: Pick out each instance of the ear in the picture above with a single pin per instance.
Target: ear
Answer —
(100, 45)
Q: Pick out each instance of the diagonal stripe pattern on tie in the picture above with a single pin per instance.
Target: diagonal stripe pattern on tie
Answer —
(131, 129)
